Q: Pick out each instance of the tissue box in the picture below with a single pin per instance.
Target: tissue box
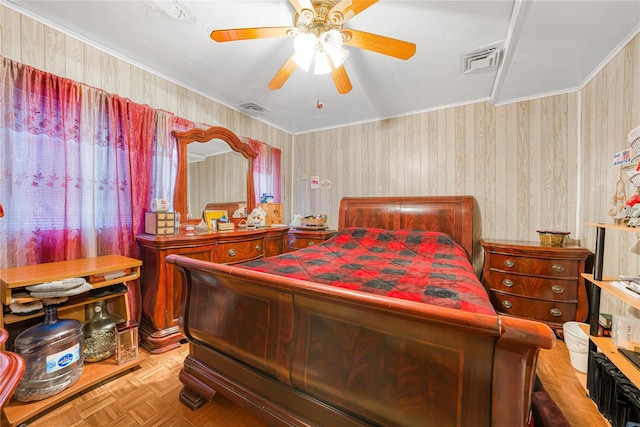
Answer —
(625, 331)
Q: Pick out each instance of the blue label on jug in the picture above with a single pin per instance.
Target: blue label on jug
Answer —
(63, 358)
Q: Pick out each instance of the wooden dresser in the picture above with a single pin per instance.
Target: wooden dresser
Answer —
(300, 239)
(161, 283)
(544, 283)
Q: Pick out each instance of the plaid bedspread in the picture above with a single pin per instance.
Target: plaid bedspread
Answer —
(413, 265)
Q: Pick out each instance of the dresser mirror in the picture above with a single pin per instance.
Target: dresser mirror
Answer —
(234, 163)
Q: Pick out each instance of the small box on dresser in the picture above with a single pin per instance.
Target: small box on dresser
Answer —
(543, 283)
(162, 223)
(274, 213)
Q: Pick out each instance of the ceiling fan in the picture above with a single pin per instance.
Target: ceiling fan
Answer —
(319, 37)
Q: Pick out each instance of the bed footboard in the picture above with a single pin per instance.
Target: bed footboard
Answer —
(300, 353)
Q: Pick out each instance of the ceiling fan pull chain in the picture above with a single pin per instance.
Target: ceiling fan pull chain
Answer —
(318, 103)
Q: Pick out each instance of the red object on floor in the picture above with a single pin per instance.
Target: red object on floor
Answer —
(545, 412)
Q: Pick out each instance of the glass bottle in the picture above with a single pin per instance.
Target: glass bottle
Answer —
(52, 352)
(100, 334)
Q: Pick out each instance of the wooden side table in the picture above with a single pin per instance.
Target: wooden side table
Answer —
(300, 239)
(96, 271)
(537, 282)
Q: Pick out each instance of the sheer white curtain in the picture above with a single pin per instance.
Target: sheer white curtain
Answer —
(266, 169)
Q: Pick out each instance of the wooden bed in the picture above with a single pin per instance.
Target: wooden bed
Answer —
(300, 353)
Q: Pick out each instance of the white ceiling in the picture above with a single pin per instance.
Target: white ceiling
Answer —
(550, 47)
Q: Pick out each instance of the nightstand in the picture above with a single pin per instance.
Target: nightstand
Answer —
(543, 283)
(300, 239)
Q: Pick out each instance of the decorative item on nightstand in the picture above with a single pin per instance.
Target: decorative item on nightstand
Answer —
(312, 222)
(552, 238)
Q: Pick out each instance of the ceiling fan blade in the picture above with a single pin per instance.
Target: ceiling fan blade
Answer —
(377, 43)
(283, 74)
(249, 33)
(350, 8)
(341, 79)
(300, 5)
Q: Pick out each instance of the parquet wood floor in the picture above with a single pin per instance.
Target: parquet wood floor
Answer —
(566, 387)
(148, 396)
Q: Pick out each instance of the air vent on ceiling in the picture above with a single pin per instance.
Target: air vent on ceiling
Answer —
(252, 108)
(481, 59)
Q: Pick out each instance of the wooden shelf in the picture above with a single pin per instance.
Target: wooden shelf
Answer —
(616, 292)
(17, 413)
(67, 306)
(605, 344)
(621, 227)
(93, 270)
(609, 349)
(16, 278)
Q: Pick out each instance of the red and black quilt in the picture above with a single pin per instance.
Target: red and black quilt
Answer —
(422, 266)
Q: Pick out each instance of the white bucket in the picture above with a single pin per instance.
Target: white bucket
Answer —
(578, 344)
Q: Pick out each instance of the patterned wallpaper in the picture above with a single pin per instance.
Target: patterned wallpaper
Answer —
(542, 163)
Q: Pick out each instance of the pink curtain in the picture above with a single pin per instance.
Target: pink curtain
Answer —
(266, 169)
(77, 169)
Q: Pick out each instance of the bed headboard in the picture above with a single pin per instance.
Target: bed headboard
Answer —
(448, 214)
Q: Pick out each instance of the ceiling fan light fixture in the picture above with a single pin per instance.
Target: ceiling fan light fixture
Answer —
(305, 45)
(331, 42)
(313, 53)
(338, 57)
(319, 35)
(321, 64)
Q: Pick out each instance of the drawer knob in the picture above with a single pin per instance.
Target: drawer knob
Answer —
(557, 268)
(258, 248)
(557, 289)
(292, 241)
(555, 312)
(507, 304)
(508, 283)
(231, 252)
(311, 243)
(509, 263)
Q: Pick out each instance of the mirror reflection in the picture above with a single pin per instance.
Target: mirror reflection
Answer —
(226, 169)
(216, 174)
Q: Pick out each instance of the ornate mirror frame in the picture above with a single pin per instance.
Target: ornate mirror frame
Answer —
(205, 135)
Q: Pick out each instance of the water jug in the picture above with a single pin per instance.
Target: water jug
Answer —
(52, 352)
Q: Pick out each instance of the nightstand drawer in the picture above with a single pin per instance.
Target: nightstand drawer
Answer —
(301, 243)
(535, 266)
(300, 239)
(535, 287)
(546, 311)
